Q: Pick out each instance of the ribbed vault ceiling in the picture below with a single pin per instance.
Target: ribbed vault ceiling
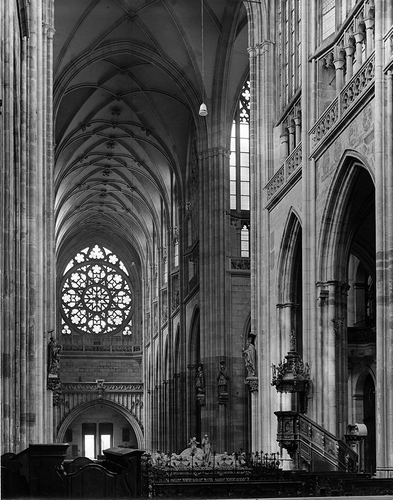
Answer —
(127, 89)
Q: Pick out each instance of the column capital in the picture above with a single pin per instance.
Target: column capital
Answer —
(260, 47)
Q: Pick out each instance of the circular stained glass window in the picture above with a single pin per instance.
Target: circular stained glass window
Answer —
(96, 293)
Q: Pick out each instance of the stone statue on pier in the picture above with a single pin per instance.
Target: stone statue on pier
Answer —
(54, 349)
(249, 357)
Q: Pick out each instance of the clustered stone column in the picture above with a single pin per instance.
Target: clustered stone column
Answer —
(28, 285)
(213, 163)
(262, 113)
(384, 237)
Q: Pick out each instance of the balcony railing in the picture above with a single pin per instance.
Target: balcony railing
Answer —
(108, 344)
(280, 178)
(340, 106)
(310, 444)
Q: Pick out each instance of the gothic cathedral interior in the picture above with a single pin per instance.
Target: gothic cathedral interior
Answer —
(197, 226)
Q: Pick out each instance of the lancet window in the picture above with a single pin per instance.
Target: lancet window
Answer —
(240, 154)
(289, 48)
(334, 12)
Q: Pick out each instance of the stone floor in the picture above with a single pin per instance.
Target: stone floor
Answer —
(372, 497)
(376, 497)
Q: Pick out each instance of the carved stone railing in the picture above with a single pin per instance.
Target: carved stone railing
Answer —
(348, 96)
(243, 264)
(311, 446)
(275, 182)
(282, 175)
(129, 395)
(326, 121)
(82, 343)
(358, 84)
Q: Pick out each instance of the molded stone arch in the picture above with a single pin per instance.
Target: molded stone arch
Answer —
(194, 334)
(258, 21)
(288, 248)
(95, 402)
(361, 378)
(247, 328)
(347, 228)
(334, 241)
(289, 283)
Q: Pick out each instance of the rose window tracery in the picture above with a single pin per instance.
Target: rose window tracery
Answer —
(96, 294)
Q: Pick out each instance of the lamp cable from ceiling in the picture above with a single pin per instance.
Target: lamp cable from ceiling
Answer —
(203, 107)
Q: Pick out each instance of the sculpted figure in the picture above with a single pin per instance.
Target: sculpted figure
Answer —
(200, 379)
(53, 356)
(249, 357)
(193, 444)
(222, 379)
(206, 449)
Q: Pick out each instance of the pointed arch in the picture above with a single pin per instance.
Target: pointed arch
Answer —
(111, 404)
(247, 327)
(176, 353)
(340, 221)
(194, 337)
(289, 247)
(178, 397)
(290, 281)
(194, 358)
(346, 240)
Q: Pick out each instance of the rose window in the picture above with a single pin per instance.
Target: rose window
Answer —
(96, 294)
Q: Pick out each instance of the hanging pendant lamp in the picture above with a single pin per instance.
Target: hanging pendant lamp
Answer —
(203, 107)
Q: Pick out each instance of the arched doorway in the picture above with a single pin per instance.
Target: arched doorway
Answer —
(348, 277)
(97, 425)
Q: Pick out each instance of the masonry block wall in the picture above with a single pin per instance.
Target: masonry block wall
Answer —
(108, 368)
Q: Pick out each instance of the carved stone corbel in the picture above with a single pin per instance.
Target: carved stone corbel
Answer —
(252, 383)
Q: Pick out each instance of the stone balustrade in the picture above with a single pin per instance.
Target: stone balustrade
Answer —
(354, 45)
(291, 164)
(351, 58)
(349, 95)
(82, 343)
(240, 263)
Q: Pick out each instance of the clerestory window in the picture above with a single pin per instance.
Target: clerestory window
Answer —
(289, 49)
(96, 294)
(240, 154)
(332, 14)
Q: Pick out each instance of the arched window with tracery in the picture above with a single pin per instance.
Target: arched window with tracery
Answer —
(240, 154)
(96, 294)
(289, 49)
(239, 172)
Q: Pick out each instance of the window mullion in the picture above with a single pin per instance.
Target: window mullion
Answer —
(238, 178)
